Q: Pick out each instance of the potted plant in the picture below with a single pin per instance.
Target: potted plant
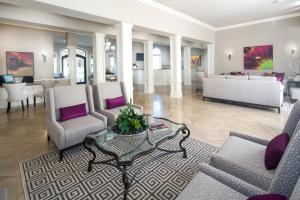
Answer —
(129, 123)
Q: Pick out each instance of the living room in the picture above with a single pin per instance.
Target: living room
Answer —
(172, 101)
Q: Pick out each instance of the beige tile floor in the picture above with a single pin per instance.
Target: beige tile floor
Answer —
(23, 134)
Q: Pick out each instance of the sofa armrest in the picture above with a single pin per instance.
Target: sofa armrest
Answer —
(138, 107)
(56, 133)
(231, 181)
(109, 116)
(100, 116)
(250, 138)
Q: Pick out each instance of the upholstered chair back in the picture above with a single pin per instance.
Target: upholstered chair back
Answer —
(296, 192)
(47, 85)
(68, 96)
(107, 90)
(292, 120)
(16, 91)
(288, 170)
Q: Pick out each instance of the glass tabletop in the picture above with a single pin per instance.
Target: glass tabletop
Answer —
(126, 148)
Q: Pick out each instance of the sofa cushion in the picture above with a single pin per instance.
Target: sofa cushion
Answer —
(237, 77)
(268, 197)
(263, 78)
(245, 160)
(116, 102)
(78, 128)
(71, 112)
(275, 150)
(205, 187)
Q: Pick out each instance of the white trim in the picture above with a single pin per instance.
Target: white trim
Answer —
(172, 11)
(259, 21)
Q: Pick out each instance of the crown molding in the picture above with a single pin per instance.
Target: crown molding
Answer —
(259, 21)
(172, 11)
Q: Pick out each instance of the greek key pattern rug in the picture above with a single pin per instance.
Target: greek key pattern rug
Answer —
(45, 178)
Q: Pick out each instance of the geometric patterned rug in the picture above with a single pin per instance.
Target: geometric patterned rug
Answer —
(45, 178)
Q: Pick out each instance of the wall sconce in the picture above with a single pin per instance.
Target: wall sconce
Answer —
(293, 51)
(44, 58)
(229, 55)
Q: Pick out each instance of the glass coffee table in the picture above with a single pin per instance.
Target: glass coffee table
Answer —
(125, 149)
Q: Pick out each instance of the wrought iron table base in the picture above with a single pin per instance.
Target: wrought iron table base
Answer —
(127, 181)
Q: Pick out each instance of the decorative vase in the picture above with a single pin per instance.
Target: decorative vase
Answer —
(142, 135)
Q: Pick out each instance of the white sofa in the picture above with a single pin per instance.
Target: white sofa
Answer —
(263, 91)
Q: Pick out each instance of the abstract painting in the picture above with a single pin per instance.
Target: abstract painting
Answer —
(196, 61)
(19, 63)
(258, 57)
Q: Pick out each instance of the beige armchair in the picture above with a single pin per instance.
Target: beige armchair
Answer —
(109, 90)
(71, 132)
(16, 93)
(46, 85)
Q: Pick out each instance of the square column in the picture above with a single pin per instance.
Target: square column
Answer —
(175, 54)
(210, 59)
(124, 54)
(187, 66)
(99, 57)
(148, 67)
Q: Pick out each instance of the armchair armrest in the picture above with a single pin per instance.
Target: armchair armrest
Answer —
(231, 181)
(110, 117)
(100, 116)
(250, 138)
(56, 133)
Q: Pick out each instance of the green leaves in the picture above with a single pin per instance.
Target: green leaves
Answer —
(128, 122)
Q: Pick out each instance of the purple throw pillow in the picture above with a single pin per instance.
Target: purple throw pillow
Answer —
(279, 77)
(268, 197)
(275, 150)
(71, 112)
(115, 102)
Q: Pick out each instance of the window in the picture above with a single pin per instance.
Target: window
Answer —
(157, 58)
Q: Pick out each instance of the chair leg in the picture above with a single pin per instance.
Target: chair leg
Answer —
(8, 107)
(27, 101)
(48, 138)
(34, 101)
(22, 105)
(61, 154)
(44, 102)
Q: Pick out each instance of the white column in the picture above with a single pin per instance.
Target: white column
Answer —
(210, 59)
(175, 54)
(148, 67)
(187, 66)
(99, 57)
(124, 54)
(72, 65)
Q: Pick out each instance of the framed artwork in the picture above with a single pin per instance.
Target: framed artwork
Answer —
(258, 57)
(196, 61)
(19, 63)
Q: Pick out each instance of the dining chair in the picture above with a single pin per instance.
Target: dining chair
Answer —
(16, 93)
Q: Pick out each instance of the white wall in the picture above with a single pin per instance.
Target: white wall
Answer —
(137, 47)
(282, 34)
(14, 38)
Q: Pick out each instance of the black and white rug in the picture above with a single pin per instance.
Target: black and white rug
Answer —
(45, 178)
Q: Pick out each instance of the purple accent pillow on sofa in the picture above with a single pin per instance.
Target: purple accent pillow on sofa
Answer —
(115, 102)
(279, 77)
(268, 197)
(275, 150)
(71, 112)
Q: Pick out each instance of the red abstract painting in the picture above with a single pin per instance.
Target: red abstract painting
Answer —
(20, 63)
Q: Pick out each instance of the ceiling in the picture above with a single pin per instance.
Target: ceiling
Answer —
(222, 13)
